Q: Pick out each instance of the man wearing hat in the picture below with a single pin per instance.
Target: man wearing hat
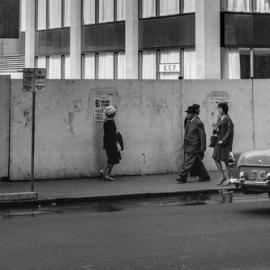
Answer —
(194, 171)
(194, 146)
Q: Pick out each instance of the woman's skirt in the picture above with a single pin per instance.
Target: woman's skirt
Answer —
(113, 155)
(221, 153)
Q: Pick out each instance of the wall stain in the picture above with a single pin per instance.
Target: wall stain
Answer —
(70, 122)
(27, 117)
(77, 105)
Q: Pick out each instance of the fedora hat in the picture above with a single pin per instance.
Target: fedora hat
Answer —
(109, 110)
(190, 109)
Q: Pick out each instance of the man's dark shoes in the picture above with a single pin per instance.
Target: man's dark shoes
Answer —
(204, 179)
(181, 180)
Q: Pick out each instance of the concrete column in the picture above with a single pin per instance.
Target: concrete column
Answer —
(207, 40)
(30, 34)
(75, 39)
(131, 39)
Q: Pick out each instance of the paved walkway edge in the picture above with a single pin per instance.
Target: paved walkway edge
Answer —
(108, 198)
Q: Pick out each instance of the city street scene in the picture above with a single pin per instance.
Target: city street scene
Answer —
(134, 134)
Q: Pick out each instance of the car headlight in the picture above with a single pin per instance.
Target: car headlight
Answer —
(243, 176)
(268, 176)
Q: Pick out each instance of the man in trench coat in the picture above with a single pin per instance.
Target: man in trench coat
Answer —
(194, 147)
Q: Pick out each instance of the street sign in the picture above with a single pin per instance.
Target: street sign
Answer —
(40, 77)
(28, 79)
(34, 79)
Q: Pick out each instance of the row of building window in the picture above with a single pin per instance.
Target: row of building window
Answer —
(154, 64)
(262, 6)
(56, 13)
(170, 64)
(240, 63)
(160, 64)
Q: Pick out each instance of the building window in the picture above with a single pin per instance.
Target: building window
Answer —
(148, 8)
(237, 5)
(55, 13)
(189, 63)
(88, 11)
(41, 14)
(188, 6)
(231, 63)
(106, 11)
(169, 66)
(67, 68)
(121, 10)
(67, 12)
(89, 66)
(262, 6)
(149, 65)
(22, 15)
(121, 65)
(261, 60)
(168, 7)
(40, 62)
(106, 65)
(152, 8)
(54, 67)
(245, 64)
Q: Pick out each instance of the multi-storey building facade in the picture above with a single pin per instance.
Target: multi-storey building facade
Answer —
(141, 39)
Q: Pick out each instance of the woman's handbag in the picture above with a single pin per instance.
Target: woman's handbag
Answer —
(213, 141)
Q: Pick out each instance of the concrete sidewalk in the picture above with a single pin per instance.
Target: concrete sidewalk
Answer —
(98, 189)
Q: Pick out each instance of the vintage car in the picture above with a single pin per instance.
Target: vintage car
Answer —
(253, 169)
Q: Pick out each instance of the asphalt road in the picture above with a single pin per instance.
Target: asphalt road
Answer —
(160, 236)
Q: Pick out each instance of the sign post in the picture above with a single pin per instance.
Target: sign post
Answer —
(33, 81)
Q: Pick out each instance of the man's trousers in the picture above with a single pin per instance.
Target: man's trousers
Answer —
(193, 160)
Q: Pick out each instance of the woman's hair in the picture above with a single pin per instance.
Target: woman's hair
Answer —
(224, 106)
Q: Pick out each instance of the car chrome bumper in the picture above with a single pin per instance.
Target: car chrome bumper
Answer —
(252, 186)
(250, 183)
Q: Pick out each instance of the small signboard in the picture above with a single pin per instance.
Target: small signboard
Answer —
(28, 79)
(34, 79)
(101, 102)
(40, 77)
(169, 67)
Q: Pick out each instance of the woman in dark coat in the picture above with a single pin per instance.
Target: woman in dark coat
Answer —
(223, 148)
(112, 142)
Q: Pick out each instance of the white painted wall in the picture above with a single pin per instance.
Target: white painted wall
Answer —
(150, 118)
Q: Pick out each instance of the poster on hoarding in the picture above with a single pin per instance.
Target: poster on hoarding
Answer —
(101, 102)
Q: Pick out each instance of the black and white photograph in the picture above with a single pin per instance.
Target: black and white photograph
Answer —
(135, 134)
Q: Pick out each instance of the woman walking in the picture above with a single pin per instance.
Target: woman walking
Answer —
(223, 148)
(112, 142)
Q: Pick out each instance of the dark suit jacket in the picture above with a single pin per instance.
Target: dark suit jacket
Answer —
(195, 137)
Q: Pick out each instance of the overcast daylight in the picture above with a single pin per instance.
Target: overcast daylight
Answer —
(135, 134)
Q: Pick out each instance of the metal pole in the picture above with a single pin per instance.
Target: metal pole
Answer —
(33, 140)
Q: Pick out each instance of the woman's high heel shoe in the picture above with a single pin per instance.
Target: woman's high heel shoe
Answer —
(221, 181)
